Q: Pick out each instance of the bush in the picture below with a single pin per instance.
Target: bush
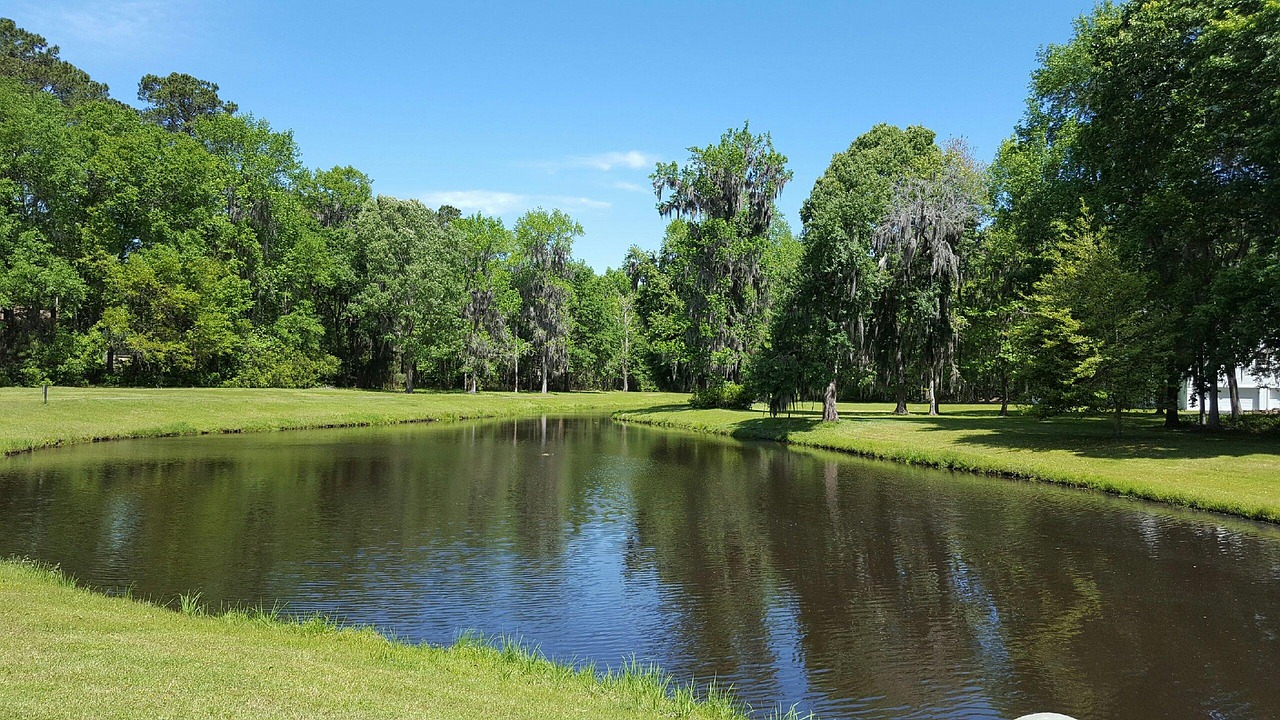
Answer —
(730, 396)
(1257, 422)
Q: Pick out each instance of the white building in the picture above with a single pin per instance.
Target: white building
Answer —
(1256, 393)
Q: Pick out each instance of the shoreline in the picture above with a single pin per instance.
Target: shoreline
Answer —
(177, 412)
(135, 658)
(1020, 465)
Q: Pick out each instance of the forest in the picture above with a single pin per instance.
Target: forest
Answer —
(1124, 240)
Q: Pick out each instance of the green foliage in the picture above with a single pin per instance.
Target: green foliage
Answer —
(412, 302)
(175, 102)
(715, 250)
(544, 242)
(1090, 338)
(28, 58)
(725, 395)
(187, 243)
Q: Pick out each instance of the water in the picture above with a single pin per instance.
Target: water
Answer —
(851, 588)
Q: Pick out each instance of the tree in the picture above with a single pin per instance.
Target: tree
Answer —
(822, 337)
(411, 301)
(1091, 336)
(919, 244)
(181, 315)
(1172, 146)
(176, 101)
(29, 58)
(486, 245)
(722, 202)
(663, 319)
(545, 243)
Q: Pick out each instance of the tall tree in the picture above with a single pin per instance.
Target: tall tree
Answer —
(544, 242)
(412, 298)
(821, 338)
(486, 245)
(1174, 151)
(177, 100)
(1091, 336)
(722, 200)
(29, 58)
(918, 244)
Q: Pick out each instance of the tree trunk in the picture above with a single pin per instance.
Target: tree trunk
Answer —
(900, 370)
(516, 382)
(111, 361)
(1119, 418)
(1233, 387)
(1215, 420)
(1171, 393)
(829, 411)
(1004, 394)
(408, 377)
(933, 394)
(544, 373)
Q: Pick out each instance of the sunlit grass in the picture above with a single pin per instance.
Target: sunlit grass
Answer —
(1232, 473)
(76, 415)
(72, 653)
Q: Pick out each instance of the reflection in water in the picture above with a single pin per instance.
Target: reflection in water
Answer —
(851, 588)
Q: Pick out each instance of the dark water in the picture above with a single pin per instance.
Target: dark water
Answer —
(849, 588)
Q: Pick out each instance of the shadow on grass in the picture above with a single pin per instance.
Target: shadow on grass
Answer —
(1090, 436)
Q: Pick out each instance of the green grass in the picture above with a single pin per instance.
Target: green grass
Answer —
(70, 653)
(1231, 473)
(76, 415)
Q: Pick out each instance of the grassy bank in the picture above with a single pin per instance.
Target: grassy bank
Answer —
(1237, 474)
(86, 414)
(71, 653)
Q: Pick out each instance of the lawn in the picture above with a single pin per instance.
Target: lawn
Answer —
(70, 653)
(86, 414)
(1232, 473)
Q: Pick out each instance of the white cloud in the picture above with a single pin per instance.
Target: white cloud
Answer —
(630, 159)
(122, 26)
(604, 162)
(493, 202)
(631, 187)
(485, 201)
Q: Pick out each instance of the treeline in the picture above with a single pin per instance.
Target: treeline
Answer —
(185, 244)
(1124, 240)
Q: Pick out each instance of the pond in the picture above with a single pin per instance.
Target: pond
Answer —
(846, 587)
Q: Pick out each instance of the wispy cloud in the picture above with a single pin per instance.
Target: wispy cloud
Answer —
(630, 159)
(485, 201)
(114, 25)
(604, 162)
(631, 187)
(494, 202)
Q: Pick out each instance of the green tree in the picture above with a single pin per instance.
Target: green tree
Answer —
(722, 202)
(920, 243)
(486, 246)
(662, 317)
(176, 101)
(29, 58)
(1091, 336)
(411, 302)
(822, 339)
(544, 242)
(181, 316)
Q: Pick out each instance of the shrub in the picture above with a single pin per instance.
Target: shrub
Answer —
(730, 396)
(1258, 422)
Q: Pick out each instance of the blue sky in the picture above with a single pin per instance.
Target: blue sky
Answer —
(499, 107)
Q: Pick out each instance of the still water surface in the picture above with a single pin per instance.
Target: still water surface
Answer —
(845, 587)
